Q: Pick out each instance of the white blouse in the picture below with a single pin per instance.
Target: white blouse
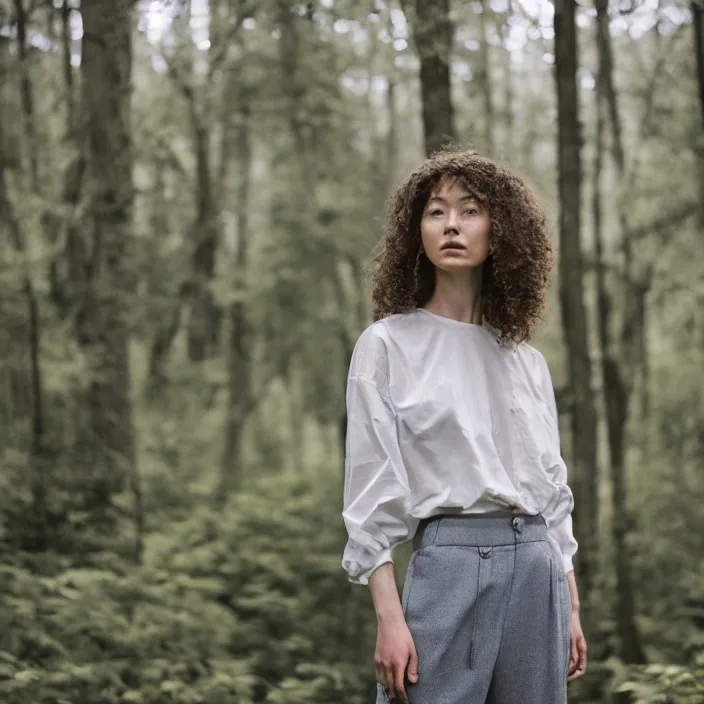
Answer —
(443, 417)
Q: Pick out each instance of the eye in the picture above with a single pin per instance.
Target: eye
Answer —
(435, 211)
(472, 211)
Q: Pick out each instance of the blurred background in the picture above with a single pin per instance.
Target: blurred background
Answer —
(189, 193)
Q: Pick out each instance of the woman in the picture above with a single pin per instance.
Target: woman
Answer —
(453, 443)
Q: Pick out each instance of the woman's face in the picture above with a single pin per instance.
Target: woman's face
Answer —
(454, 228)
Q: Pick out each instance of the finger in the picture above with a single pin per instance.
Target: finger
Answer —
(573, 667)
(389, 679)
(413, 667)
(577, 671)
(399, 684)
(574, 674)
(582, 654)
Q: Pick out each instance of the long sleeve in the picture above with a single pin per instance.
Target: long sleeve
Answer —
(376, 487)
(560, 527)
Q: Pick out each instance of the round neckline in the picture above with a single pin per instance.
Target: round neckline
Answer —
(486, 329)
(451, 321)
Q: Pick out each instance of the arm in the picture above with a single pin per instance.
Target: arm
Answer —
(574, 595)
(560, 530)
(375, 509)
(561, 533)
(376, 486)
(395, 653)
(385, 596)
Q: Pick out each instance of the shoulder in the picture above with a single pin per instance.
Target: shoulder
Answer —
(383, 331)
(370, 356)
(531, 352)
(535, 362)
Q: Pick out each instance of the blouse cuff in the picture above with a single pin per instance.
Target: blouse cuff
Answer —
(359, 574)
(563, 539)
(567, 562)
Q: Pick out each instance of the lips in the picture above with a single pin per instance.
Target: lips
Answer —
(452, 245)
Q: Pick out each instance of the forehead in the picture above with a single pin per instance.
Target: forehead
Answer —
(449, 186)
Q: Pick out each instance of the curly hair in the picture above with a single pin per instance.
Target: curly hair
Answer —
(517, 270)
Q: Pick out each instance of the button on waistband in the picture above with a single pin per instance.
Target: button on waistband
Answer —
(517, 524)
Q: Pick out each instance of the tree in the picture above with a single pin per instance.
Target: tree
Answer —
(105, 449)
(621, 359)
(36, 457)
(698, 22)
(484, 79)
(58, 231)
(27, 98)
(572, 306)
(433, 33)
(199, 93)
(240, 401)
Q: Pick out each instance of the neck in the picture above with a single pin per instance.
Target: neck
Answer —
(458, 295)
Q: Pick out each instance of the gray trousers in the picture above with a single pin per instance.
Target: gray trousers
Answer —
(487, 602)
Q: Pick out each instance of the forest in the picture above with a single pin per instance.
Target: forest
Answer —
(190, 194)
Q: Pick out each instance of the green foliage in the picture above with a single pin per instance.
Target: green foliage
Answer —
(237, 606)
(664, 684)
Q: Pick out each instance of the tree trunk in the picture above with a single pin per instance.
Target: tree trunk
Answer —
(617, 365)
(163, 342)
(698, 22)
(293, 87)
(346, 343)
(66, 62)
(107, 449)
(643, 361)
(204, 321)
(205, 315)
(26, 97)
(36, 456)
(239, 363)
(484, 80)
(508, 143)
(433, 35)
(574, 319)
(61, 275)
(391, 137)
(169, 313)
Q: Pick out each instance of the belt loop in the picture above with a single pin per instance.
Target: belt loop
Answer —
(418, 537)
(435, 533)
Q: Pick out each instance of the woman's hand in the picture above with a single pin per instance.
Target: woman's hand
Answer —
(395, 651)
(578, 649)
(395, 655)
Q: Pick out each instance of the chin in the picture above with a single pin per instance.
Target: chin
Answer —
(457, 263)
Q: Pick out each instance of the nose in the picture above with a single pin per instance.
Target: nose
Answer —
(451, 221)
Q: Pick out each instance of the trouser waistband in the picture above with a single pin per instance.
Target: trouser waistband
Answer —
(494, 528)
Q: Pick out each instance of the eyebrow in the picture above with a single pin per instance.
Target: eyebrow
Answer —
(440, 199)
